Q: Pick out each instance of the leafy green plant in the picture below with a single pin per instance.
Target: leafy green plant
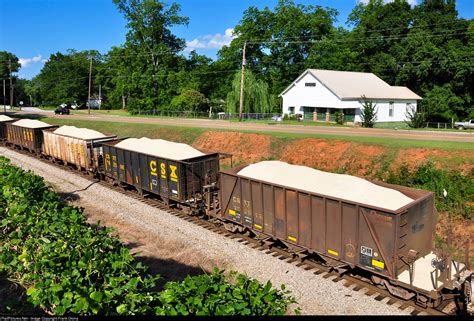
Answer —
(459, 188)
(339, 117)
(368, 113)
(415, 119)
(216, 294)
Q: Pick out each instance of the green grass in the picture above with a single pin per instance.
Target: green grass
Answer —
(383, 125)
(113, 112)
(190, 133)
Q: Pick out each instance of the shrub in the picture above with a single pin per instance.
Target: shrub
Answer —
(339, 116)
(460, 188)
(414, 119)
(216, 294)
(190, 100)
(368, 113)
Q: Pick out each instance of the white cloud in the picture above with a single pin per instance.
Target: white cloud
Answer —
(216, 41)
(25, 62)
(410, 2)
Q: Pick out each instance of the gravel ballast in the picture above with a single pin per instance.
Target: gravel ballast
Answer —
(315, 294)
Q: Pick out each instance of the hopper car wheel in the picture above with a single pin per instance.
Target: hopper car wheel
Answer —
(467, 291)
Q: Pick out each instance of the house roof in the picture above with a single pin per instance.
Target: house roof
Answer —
(348, 85)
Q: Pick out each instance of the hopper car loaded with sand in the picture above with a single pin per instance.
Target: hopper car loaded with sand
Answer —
(348, 223)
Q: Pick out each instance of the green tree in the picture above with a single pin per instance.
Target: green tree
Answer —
(65, 77)
(422, 47)
(441, 103)
(278, 41)
(190, 100)
(256, 96)
(368, 113)
(7, 58)
(153, 46)
(9, 64)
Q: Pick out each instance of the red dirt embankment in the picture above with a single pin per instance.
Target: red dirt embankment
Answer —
(358, 159)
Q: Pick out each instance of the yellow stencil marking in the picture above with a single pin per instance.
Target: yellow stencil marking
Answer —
(378, 264)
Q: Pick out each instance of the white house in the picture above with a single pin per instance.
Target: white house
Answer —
(320, 93)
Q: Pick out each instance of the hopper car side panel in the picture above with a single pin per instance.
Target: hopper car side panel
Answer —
(29, 138)
(84, 153)
(353, 233)
(3, 129)
(180, 181)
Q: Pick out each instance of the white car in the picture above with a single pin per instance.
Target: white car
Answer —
(277, 118)
(72, 106)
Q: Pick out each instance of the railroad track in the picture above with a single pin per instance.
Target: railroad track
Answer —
(356, 283)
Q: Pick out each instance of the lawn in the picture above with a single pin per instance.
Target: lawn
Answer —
(190, 133)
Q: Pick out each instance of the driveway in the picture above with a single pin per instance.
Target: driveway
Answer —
(35, 110)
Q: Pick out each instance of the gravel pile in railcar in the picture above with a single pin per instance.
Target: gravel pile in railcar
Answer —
(31, 123)
(160, 148)
(82, 133)
(5, 118)
(336, 185)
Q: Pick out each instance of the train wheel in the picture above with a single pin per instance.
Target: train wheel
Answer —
(467, 291)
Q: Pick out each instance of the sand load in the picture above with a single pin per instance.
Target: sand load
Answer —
(5, 118)
(160, 148)
(342, 186)
(81, 133)
(31, 123)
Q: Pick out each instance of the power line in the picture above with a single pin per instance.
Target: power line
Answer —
(450, 33)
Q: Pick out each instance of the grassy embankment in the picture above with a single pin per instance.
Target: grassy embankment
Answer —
(188, 134)
(387, 125)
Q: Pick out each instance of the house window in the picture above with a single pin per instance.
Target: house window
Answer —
(291, 110)
(310, 84)
(390, 109)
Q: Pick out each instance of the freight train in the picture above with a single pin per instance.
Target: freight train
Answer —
(313, 214)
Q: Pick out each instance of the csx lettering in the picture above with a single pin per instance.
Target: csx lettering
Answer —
(153, 168)
(163, 170)
(173, 175)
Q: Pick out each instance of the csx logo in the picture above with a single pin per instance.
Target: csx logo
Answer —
(163, 172)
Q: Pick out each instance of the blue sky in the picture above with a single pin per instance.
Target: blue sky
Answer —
(35, 29)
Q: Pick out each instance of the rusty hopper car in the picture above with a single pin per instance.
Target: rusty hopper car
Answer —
(183, 183)
(343, 233)
(25, 137)
(3, 129)
(85, 154)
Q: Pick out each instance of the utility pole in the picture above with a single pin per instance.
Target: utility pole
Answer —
(4, 99)
(100, 97)
(11, 85)
(89, 95)
(242, 80)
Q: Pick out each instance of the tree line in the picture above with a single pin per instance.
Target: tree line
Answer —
(426, 47)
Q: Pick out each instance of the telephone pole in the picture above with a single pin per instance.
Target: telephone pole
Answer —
(100, 96)
(242, 80)
(89, 95)
(4, 98)
(11, 85)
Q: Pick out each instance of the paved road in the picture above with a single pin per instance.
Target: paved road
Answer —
(35, 110)
(464, 136)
